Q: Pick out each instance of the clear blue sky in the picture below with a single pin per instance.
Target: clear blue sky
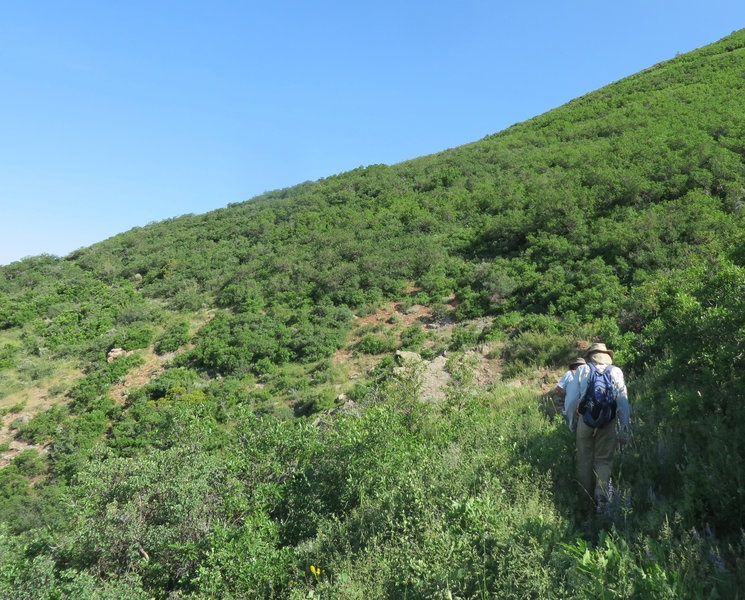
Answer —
(116, 114)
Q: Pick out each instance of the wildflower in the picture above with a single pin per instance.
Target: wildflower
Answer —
(649, 555)
(717, 560)
(317, 571)
(694, 534)
(708, 530)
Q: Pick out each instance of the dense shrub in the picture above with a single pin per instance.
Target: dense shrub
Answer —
(174, 336)
(412, 337)
(374, 344)
(136, 336)
(8, 353)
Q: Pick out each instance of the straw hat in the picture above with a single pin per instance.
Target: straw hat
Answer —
(576, 362)
(596, 353)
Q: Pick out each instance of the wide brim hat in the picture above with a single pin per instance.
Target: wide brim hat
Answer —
(598, 347)
(576, 362)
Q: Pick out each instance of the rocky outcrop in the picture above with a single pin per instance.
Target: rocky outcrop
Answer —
(432, 375)
(115, 353)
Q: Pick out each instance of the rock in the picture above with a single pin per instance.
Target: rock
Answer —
(439, 324)
(435, 379)
(115, 353)
(405, 357)
(20, 420)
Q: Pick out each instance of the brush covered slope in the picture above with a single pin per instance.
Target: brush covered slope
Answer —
(191, 462)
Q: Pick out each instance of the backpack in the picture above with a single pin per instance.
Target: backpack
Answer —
(598, 405)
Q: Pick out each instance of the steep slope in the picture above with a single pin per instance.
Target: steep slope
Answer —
(618, 216)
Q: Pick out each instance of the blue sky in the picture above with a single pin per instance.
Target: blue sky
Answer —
(117, 114)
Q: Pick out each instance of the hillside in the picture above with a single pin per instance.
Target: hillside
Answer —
(257, 435)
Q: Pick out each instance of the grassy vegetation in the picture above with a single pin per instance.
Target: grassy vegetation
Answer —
(191, 468)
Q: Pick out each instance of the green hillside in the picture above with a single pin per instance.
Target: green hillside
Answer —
(255, 435)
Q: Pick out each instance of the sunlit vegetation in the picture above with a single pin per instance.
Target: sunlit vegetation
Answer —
(234, 469)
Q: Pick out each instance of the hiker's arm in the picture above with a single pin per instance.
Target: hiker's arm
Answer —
(565, 378)
(573, 392)
(623, 411)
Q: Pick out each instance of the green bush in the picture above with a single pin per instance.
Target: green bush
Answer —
(16, 408)
(374, 344)
(8, 355)
(42, 427)
(530, 349)
(412, 337)
(136, 336)
(174, 336)
(463, 336)
(29, 463)
(313, 401)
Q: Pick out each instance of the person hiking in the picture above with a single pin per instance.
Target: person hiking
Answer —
(560, 389)
(600, 420)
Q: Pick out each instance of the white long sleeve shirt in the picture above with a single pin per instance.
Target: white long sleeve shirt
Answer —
(564, 381)
(576, 389)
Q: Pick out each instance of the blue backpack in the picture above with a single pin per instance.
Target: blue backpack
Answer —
(598, 405)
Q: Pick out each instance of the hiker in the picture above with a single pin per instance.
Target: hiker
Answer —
(560, 390)
(596, 442)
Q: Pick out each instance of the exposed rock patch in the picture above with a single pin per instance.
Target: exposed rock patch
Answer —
(115, 353)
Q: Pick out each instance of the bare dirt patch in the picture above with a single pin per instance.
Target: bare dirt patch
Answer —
(139, 376)
(26, 404)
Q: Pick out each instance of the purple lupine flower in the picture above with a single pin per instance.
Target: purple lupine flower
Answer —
(649, 555)
(694, 534)
(708, 530)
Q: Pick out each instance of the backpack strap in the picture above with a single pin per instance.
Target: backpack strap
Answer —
(593, 371)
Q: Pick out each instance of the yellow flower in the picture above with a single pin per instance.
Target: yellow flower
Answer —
(313, 570)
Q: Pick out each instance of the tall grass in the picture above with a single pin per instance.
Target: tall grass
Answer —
(473, 498)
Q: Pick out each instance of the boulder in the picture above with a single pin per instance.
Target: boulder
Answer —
(115, 353)
(405, 357)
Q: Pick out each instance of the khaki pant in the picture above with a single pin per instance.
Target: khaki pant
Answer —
(595, 450)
